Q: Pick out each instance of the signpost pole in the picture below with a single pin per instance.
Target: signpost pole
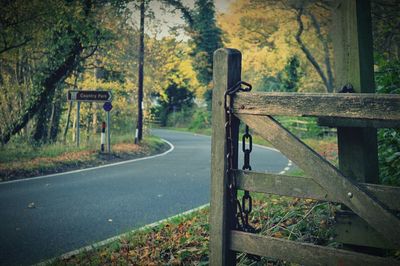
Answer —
(108, 132)
(78, 106)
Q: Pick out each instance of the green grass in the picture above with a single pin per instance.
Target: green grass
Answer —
(152, 142)
(203, 131)
(296, 172)
(19, 160)
(184, 240)
(25, 151)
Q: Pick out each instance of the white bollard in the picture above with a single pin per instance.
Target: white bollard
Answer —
(103, 136)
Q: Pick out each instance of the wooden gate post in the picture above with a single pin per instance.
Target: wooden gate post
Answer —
(226, 73)
(352, 40)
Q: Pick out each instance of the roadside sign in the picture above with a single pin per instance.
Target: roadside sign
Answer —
(107, 106)
(89, 96)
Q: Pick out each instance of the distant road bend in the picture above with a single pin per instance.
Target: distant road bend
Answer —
(80, 208)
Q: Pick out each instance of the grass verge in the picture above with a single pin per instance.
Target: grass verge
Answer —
(203, 131)
(18, 161)
(185, 240)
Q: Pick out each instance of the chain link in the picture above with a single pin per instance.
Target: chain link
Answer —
(247, 150)
(247, 208)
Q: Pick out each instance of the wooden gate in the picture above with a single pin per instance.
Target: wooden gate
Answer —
(376, 205)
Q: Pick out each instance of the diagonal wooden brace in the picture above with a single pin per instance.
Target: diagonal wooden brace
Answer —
(328, 176)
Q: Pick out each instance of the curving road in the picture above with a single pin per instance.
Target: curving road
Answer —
(80, 208)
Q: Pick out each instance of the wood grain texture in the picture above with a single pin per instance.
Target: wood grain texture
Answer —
(284, 185)
(227, 71)
(352, 43)
(326, 175)
(358, 153)
(351, 229)
(302, 253)
(354, 64)
(306, 187)
(348, 122)
(346, 105)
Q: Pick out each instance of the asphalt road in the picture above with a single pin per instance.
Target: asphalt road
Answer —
(83, 207)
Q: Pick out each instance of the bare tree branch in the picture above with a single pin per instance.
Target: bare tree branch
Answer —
(307, 52)
(8, 47)
(186, 13)
(324, 42)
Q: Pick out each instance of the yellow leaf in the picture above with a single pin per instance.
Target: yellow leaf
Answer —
(277, 235)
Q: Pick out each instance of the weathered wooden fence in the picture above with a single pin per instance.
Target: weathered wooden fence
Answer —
(374, 204)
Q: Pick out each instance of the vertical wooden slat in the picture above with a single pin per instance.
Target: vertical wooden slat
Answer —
(352, 41)
(227, 72)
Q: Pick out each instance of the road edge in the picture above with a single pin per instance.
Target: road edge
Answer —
(118, 237)
(171, 148)
(286, 169)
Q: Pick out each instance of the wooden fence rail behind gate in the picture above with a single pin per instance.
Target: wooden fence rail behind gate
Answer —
(374, 204)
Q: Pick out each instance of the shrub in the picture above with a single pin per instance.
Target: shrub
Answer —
(201, 119)
(388, 81)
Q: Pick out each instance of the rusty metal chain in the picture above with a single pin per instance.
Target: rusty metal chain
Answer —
(241, 215)
(247, 208)
(247, 150)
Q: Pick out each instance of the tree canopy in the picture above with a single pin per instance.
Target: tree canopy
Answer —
(270, 33)
(205, 35)
(43, 43)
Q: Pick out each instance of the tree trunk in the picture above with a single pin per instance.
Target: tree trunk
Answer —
(51, 121)
(74, 127)
(88, 120)
(94, 120)
(139, 128)
(67, 123)
(42, 122)
(56, 117)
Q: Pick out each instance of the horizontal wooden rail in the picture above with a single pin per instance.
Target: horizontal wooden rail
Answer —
(346, 105)
(302, 253)
(306, 187)
(284, 185)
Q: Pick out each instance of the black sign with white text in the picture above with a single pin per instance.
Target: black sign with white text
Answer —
(89, 96)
